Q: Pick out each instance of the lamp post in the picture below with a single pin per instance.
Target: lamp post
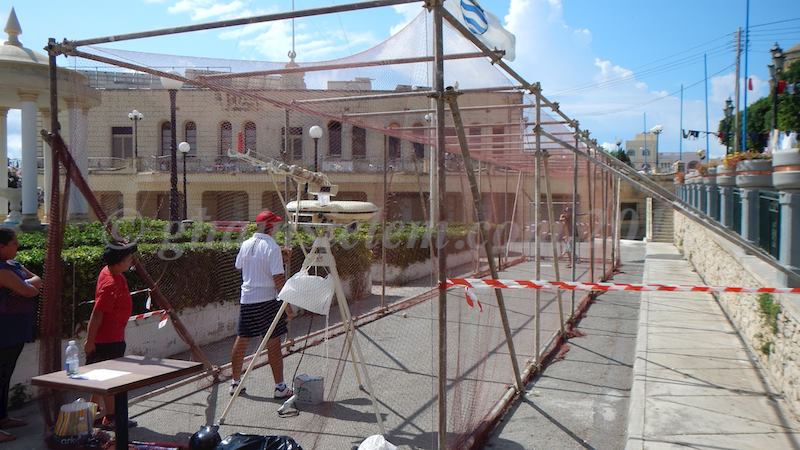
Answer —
(184, 148)
(172, 85)
(315, 132)
(775, 70)
(656, 130)
(728, 115)
(135, 116)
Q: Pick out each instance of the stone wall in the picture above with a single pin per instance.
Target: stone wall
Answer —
(721, 263)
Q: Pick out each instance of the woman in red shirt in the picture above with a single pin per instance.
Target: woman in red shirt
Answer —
(105, 338)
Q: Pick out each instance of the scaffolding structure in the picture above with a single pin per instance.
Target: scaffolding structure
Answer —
(539, 143)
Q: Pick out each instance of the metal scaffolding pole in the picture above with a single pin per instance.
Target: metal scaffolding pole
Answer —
(574, 220)
(537, 252)
(590, 216)
(438, 35)
(451, 98)
(551, 219)
(603, 219)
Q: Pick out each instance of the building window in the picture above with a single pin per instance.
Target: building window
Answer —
(166, 138)
(249, 136)
(646, 152)
(295, 139)
(334, 139)
(474, 138)
(498, 141)
(190, 136)
(225, 138)
(632, 153)
(359, 143)
(122, 142)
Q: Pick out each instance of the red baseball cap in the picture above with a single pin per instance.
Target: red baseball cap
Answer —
(268, 217)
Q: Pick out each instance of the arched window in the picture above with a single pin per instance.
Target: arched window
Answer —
(419, 148)
(334, 139)
(250, 136)
(166, 138)
(190, 136)
(225, 138)
(359, 143)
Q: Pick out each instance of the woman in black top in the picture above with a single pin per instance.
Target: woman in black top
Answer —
(19, 289)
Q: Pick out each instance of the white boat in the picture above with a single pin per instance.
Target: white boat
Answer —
(341, 211)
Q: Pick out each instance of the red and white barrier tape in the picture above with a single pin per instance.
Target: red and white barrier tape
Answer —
(161, 312)
(476, 283)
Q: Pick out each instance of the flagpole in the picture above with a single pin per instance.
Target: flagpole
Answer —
(746, 77)
(705, 72)
(680, 131)
(644, 133)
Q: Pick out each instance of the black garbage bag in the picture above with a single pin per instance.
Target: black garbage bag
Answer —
(239, 441)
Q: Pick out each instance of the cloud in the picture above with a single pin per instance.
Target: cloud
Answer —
(205, 9)
(408, 12)
(607, 98)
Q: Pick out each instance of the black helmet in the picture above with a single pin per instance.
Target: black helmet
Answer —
(206, 438)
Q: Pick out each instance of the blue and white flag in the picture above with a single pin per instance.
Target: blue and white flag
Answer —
(483, 24)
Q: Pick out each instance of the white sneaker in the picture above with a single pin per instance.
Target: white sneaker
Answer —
(282, 392)
(234, 385)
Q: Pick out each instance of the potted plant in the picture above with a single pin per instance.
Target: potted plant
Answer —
(709, 173)
(786, 165)
(754, 170)
(680, 177)
(726, 171)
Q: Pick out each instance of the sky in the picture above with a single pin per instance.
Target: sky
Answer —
(615, 65)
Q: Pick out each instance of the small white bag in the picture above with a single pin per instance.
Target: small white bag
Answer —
(376, 442)
(310, 292)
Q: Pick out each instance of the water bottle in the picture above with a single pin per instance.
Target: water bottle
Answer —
(72, 359)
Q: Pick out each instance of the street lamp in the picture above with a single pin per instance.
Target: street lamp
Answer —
(172, 85)
(315, 132)
(135, 116)
(184, 148)
(775, 70)
(728, 116)
(656, 130)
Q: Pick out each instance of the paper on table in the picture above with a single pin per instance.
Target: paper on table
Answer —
(102, 374)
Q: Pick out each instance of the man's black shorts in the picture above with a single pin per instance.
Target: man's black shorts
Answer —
(255, 319)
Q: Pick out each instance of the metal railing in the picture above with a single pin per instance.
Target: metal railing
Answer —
(737, 210)
(769, 219)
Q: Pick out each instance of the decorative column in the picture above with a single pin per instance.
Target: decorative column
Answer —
(726, 180)
(44, 114)
(726, 206)
(30, 199)
(750, 214)
(78, 123)
(710, 186)
(3, 158)
(789, 251)
(786, 179)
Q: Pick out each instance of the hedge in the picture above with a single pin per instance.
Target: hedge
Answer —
(181, 264)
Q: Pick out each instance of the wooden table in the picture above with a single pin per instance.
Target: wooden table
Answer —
(140, 372)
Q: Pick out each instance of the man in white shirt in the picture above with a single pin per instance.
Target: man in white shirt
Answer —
(261, 263)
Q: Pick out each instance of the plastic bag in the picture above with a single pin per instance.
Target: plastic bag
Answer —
(376, 442)
(75, 419)
(310, 292)
(241, 441)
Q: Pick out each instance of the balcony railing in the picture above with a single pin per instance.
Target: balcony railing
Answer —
(225, 164)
